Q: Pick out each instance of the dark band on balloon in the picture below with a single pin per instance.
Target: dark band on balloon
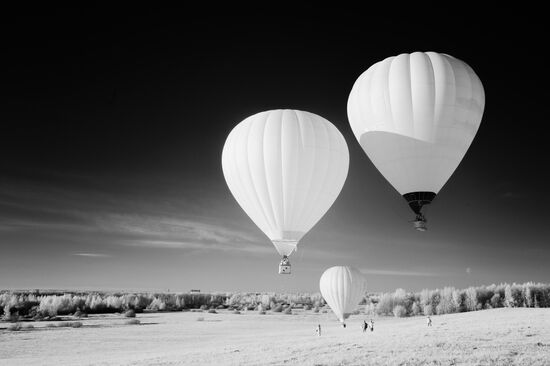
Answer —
(418, 199)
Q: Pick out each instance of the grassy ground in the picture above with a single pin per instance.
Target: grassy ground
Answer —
(490, 337)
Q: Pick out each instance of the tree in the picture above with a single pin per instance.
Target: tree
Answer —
(496, 301)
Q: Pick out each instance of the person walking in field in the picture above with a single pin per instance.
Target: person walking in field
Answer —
(365, 326)
(429, 321)
(318, 330)
(371, 325)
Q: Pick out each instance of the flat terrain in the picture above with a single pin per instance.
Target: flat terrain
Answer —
(490, 337)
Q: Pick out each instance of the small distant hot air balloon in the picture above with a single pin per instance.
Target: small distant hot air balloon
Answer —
(415, 116)
(285, 168)
(342, 287)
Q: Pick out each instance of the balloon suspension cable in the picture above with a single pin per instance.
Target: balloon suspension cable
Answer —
(285, 261)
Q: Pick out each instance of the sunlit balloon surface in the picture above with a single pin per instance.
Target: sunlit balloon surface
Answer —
(285, 168)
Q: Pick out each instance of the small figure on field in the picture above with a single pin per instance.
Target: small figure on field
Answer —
(429, 321)
(371, 326)
(365, 326)
(318, 330)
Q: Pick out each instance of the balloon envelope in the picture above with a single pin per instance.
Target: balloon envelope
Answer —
(285, 168)
(415, 115)
(342, 287)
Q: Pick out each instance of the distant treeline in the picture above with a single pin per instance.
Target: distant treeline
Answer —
(38, 305)
(450, 300)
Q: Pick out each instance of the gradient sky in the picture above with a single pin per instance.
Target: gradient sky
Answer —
(113, 125)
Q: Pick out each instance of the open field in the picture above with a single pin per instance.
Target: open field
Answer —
(505, 336)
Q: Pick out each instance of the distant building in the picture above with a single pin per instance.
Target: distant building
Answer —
(195, 291)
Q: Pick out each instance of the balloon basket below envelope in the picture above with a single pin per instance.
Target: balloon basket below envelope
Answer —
(284, 269)
(284, 266)
(420, 225)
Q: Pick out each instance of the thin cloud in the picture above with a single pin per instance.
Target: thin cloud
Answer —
(386, 272)
(67, 213)
(258, 249)
(41, 224)
(169, 232)
(167, 227)
(92, 255)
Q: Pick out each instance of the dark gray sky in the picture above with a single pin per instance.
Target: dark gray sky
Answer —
(113, 125)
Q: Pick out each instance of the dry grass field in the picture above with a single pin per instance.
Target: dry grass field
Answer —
(506, 336)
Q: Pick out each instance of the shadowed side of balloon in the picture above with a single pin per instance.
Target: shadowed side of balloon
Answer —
(415, 168)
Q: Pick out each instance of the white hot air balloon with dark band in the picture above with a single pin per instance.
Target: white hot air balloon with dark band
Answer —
(415, 116)
(343, 287)
(285, 168)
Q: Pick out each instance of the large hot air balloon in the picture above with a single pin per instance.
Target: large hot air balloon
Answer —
(342, 287)
(285, 168)
(415, 116)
